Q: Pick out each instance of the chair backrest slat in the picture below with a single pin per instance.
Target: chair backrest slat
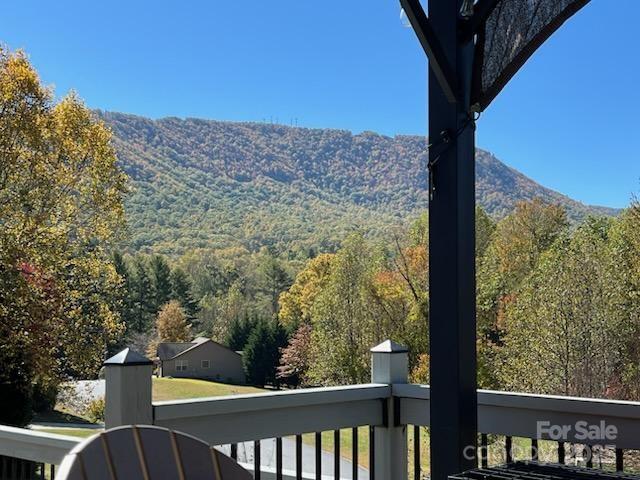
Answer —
(147, 453)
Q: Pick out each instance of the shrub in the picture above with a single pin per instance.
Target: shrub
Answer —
(44, 397)
(95, 410)
(16, 389)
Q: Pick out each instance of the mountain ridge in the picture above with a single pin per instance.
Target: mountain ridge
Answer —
(207, 183)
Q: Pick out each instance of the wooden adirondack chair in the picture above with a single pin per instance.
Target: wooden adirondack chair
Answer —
(147, 453)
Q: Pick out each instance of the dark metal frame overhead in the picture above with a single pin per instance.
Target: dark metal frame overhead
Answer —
(482, 100)
(454, 44)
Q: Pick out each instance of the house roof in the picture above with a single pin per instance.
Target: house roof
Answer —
(171, 350)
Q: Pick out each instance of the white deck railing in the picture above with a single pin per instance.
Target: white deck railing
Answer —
(241, 418)
(518, 414)
(386, 408)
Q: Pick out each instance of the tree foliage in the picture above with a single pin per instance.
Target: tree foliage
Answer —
(261, 354)
(172, 325)
(295, 358)
(61, 207)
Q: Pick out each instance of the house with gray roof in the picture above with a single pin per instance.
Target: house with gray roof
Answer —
(201, 358)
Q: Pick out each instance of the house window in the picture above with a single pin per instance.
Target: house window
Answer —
(205, 363)
(182, 365)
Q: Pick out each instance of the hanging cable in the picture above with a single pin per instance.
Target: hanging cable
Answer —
(443, 144)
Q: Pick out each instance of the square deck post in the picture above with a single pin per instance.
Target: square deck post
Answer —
(128, 390)
(389, 364)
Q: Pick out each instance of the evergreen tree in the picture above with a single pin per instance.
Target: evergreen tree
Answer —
(181, 291)
(274, 280)
(257, 355)
(161, 277)
(143, 297)
(239, 331)
(125, 294)
(279, 340)
(261, 355)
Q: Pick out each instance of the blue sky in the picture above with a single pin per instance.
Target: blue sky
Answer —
(569, 119)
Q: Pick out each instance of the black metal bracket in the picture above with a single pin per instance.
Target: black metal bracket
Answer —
(387, 421)
(396, 412)
(481, 11)
(430, 44)
(385, 412)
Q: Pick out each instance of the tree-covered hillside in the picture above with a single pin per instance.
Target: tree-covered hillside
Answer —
(210, 184)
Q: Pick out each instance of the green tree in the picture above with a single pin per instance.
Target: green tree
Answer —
(125, 292)
(161, 278)
(274, 279)
(257, 355)
(261, 355)
(61, 210)
(143, 297)
(485, 228)
(563, 333)
(240, 330)
(344, 318)
(181, 291)
(515, 247)
(623, 261)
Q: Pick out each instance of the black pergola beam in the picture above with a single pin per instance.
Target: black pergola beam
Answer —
(452, 307)
(437, 60)
(481, 11)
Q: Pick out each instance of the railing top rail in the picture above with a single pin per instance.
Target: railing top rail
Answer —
(34, 445)
(494, 398)
(268, 401)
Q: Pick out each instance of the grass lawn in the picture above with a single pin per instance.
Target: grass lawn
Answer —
(346, 444)
(163, 389)
(521, 448)
(183, 388)
(71, 432)
(59, 415)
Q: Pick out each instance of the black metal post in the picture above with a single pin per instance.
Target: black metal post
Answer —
(452, 320)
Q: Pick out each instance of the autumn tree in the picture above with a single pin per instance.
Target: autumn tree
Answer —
(623, 263)
(295, 357)
(345, 320)
(516, 245)
(296, 303)
(563, 332)
(60, 210)
(172, 324)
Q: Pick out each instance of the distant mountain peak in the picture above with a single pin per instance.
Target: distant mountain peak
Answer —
(213, 184)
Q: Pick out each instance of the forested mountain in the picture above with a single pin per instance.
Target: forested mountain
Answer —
(201, 183)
